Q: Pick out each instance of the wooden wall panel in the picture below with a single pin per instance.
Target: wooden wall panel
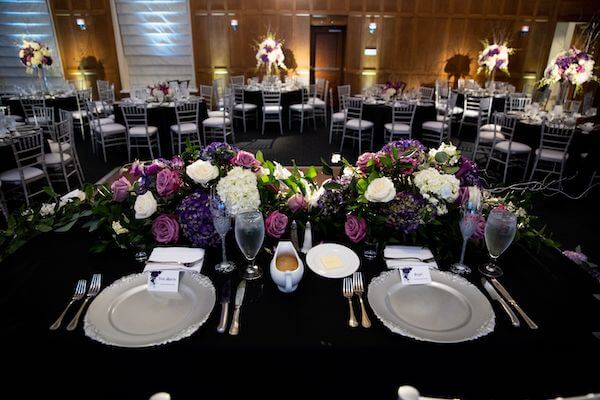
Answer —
(91, 51)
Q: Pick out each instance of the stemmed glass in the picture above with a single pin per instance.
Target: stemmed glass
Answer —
(500, 230)
(468, 224)
(249, 234)
(222, 223)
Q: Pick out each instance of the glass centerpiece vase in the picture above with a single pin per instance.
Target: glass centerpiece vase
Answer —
(43, 79)
(563, 92)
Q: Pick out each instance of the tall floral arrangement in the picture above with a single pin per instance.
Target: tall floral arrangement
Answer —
(391, 90)
(33, 54)
(270, 54)
(494, 56)
(160, 90)
(573, 66)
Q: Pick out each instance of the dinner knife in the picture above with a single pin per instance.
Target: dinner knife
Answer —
(225, 295)
(234, 329)
(513, 303)
(495, 296)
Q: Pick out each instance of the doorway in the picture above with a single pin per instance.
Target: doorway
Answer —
(327, 55)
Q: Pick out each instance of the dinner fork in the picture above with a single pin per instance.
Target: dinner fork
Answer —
(93, 291)
(77, 295)
(359, 288)
(348, 293)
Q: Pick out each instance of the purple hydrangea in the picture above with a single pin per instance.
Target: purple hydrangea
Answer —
(468, 172)
(196, 222)
(404, 212)
(403, 146)
(218, 151)
(331, 201)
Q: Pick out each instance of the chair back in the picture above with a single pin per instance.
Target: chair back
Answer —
(449, 106)
(43, 117)
(28, 148)
(516, 102)
(403, 113)
(321, 88)
(135, 115)
(354, 107)
(343, 94)
(426, 93)
(441, 89)
(64, 133)
(271, 98)
(27, 103)
(556, 136)
(206, 93)
(506, 125)
(238, 94)
(238, 80)
(102, 85)
(472, 103)
(83, 95)
(187, 112)
(485, 106)
(331, 101)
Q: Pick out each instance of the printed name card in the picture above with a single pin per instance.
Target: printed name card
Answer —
(163, 281)
(417, 275)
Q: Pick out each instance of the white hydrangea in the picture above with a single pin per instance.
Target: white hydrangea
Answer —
(47, 209)
(447, 148)
(239, 191)
(438, 189)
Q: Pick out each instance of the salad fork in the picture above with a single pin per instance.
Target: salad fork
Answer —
(359, 289)
(348, 293)
(93, 291)
(77, 295)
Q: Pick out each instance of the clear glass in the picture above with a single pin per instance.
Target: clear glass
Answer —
(500, 230)
(222, 223)
(370, 249)
(468, 224)
(249, 234)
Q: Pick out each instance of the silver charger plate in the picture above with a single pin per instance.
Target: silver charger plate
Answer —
(126, 314)
(449, 310)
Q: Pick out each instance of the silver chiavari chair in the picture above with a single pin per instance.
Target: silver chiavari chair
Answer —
(28, 150)
(426, 94)
(139, 134)
(27, 103)
(440, 130)
(237, 80)
(301, 111)
(337, 118)
(507, 152)
(187, 113)
(272, 110)
(80, 116)
(486, 131)
(553, 152)
(516, 102)
(319, 99)
(43, 117)
(61, 165)
(241, 109)
(403, 115)
(218, 128)
(207, 95)
(355, 126)
(68, 147)
(104, 133)
(471, 110)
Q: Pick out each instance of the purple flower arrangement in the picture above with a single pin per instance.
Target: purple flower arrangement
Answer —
(33, 54)
(196, 222)
(405, 213)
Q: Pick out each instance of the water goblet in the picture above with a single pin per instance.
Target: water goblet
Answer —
(500, 230)
(222, 224)
(468, 224)
(249, 234)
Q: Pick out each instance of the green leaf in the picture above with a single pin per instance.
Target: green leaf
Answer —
(332, 185)
(43, 228)
(260, 157)
(49, 191)
(326, 168)
(91, 225)
(311, 172)
(85, 213)
(66, 227)
(441, 157)
(361, 185)
(451, 170)
(395, 152)
(372, 177)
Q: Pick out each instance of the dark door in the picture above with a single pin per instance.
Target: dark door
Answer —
(327, 55)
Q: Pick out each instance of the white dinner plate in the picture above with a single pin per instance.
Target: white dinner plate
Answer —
(350, 260)
(126, 314)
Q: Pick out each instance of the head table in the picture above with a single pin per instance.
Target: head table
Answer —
(298, 344)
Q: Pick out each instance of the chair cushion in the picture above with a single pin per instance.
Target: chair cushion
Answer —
(272, 109)
(471, 113)
(141, 131)
(315, 101)
(339, 116)
(491, 127)
(357, 123)
(397, 127)
(79, 114)
(436, 126)
(215, 114)
(17, 118)
(12, 175)
(215, 122)
(103, 121)
(54, 158)
(299, 107)
(515, 148)
(55, 149)
(551, 155)
(488, 136)
(188, 127)
(111, 129)
(245, 107)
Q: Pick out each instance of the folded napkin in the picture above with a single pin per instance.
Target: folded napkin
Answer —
(166, 258)
(398, 251)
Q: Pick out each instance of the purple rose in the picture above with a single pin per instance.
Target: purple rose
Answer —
(275, 224)
(165, 229)
(120, 189)
(177, 162)
(154, 167)
(167, 182)
(245, 159)
(296, 203)
(137, 168)
(356, 229)
(364, 159)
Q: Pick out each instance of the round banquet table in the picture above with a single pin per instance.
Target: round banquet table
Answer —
(68, 103)
(162, 117)
(297, 345)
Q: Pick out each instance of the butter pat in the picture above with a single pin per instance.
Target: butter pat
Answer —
(331, 262)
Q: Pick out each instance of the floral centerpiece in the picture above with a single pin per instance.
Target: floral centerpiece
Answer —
(570, 66)
(494, 57)
(270, 54)
(392, 90)
(161, 91)
(35, 55)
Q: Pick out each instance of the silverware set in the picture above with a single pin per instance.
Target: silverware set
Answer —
(354, 285)
(79, 293)
(493, 288)
(240, 292)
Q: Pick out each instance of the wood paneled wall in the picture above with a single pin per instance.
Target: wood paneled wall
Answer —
(86, 54)
(414, 38)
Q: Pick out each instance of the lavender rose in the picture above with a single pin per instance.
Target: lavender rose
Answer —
(120, 189)
(136, 168)
(245, 159)
(167, 182)
(165, 229)
(154, 167)
(296, 203)
(275, 224)
(177, 162)
(356, 229)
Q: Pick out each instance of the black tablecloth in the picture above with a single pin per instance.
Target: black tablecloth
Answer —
(68, 103)
(381, 114)
(299, 344)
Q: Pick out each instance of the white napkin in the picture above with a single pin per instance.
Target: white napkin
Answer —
(165, 258)
(398, 251)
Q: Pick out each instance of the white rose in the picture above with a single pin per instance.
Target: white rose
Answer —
(77, 193)
(202, 171)
(336, 158)
(119, 230)
(281, 173)
(145, 205)
(380, 190)
(47, 209)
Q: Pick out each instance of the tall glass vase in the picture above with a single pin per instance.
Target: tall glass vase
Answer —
(563, 92)
(490, 83)
(43, 80)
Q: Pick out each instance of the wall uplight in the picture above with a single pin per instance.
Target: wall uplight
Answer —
(80, 22)
(220, 71)
(370, 51)
(234, 24)
(524, 30)
(369, 72)
(372, 27)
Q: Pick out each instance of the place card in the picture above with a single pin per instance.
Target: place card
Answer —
(163, 281)
(416, 275)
